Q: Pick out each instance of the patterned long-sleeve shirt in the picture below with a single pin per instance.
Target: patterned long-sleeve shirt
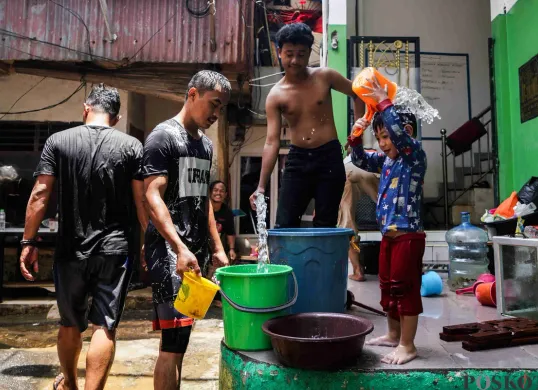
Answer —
(402, 179)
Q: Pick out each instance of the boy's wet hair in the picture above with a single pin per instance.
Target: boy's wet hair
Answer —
(296, 34)
(104, 99)
(405, 117)
(208, 80)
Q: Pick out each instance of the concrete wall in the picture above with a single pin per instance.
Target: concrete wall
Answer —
(516, 42)
(136, 115)
(158, 110)
(456, 26)
(49, 91)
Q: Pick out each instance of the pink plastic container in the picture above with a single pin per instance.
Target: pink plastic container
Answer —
(483, 278)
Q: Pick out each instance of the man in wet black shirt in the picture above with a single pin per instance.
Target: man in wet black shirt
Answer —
(97, 169)
(176, 166)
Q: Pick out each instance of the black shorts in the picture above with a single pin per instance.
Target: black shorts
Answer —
(104, 278)
(317, 174)
(165, 284)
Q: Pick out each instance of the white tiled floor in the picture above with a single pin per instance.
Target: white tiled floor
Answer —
(447, 309)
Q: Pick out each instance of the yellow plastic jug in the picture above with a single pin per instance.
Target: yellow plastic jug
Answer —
(195, 296)
(363, 80)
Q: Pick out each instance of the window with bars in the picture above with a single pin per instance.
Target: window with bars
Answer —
(23, 136)
(21, 143)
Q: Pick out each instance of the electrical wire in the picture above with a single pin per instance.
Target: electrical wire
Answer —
(76, 15)
(266, 77)
(21, 36)
(249, 55)
(80, 67)
(20, 97)
(21, 51)
(79, 88)
(244, 145)
(258, 114)
(274, 13)
(238, 147)
(257, 96)
(153, 36)
(256, 140)
(263, 85)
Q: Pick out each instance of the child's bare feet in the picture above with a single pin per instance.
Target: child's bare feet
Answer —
(401, 355)
(357, 278)
(384, 341)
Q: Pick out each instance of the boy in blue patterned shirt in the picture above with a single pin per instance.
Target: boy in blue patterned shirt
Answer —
(403, 167)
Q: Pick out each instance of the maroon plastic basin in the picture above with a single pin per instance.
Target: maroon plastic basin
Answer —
(318, 341)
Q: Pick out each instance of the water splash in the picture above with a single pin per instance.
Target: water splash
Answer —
(410, 101)
(261, 213)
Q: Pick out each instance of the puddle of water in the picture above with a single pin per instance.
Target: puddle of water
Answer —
(43, 335)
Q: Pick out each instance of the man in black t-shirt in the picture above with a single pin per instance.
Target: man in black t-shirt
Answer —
(224, 217)
(97, 169)
(176, 167)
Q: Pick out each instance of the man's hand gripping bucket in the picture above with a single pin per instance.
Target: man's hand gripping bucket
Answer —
(195, 295)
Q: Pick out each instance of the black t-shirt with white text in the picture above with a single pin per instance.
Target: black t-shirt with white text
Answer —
(170, 150)
(94, 167)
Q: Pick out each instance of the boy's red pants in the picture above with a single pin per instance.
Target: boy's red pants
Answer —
(400, 274)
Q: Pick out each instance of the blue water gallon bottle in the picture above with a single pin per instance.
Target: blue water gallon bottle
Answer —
(468, 253)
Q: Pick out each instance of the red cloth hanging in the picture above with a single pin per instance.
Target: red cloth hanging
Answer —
(318, 27)
(311, 18)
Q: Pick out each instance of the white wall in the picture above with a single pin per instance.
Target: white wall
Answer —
(498, 7)
(455, 26)
(49, 91)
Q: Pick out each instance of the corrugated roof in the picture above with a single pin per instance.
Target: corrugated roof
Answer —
(58, 31)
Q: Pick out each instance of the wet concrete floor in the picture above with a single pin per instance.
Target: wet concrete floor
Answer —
(28, 357)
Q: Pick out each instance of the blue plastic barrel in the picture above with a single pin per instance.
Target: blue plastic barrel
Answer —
(319, 258)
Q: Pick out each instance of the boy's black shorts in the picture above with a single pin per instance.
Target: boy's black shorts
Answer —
(105, 278)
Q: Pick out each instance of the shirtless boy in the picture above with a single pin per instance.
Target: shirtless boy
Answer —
(314, 168)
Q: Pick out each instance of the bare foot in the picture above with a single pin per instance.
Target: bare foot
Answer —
(357, 278)
(383, 341)
(400, 355)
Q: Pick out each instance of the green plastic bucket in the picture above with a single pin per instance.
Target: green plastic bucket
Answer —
(250, 299)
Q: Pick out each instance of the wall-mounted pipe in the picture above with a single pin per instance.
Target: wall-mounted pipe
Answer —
(325, 39)
(361, 18)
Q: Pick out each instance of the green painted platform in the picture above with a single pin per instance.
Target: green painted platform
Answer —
(238, 371)
(440, 365)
